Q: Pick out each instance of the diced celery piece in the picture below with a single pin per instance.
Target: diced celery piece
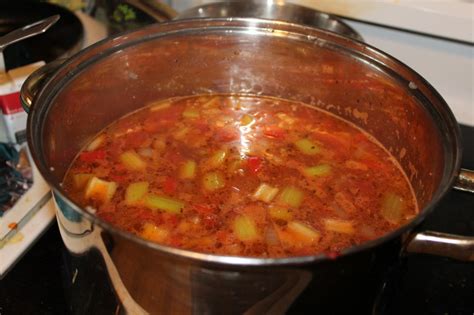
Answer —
(307, 147)
(340, 226)
(132, 161)
(135, 192)
(245, 228)
(392, 207)
(265, 193)
(96, 143)
(304, 231)
(246, 120)
(166, 204)
(217, 159)
(80, 180)
(213, 181)
(280, 213)
(100, 190)
(291, 196)
(188, 170)
(154, 233)
(319, 170)
(191, 113)
(156, 106)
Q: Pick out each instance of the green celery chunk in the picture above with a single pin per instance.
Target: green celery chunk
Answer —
(291, 196)
(213, 181)
(217, 159)
(191, 113)
(245, 228)
(318, 170)
(307, 147)
(188, 170)
(155, 202)
(135, 192)
(80, 180)
(132, 161)
(265, 193)
(392, 207)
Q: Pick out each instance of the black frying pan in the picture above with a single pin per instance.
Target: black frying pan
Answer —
(61, 40)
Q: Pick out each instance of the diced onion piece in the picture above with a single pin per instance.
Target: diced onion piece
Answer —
(392, 207)
(100, 190)
(132, 161)
(307, 147)
(96, 143)
(280, 213)
(317, 171)
(166, 204)
(246, 120)
(217, 159)
(188, 170)
(291, 196)
(154, 233)
(340, 226)
(191, 113)
(135, 192)
(80, 180)
(234, 166)
(304, 231)
(265, 193)
(213, 181)
(156, 106)
(245, 228)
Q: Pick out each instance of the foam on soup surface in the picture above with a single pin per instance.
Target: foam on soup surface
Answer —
(242, 175)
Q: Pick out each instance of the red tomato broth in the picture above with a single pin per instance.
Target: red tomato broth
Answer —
(242, 175)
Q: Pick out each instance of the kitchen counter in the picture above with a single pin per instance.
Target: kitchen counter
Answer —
(427, 284)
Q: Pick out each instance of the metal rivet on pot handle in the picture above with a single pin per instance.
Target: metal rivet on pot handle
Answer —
(35, 82)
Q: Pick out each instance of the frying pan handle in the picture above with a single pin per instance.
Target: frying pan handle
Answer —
(442, 244)
(465, 181)
(35, 82)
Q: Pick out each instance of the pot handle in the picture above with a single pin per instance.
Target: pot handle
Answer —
(465, 181)
(444, 244)
(35, 82)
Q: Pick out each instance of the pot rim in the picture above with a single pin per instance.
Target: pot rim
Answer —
(446, 181)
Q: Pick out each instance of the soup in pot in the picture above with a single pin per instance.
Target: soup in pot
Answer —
(242, 175)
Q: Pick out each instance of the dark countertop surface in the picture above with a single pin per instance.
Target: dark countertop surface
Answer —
(428, 285)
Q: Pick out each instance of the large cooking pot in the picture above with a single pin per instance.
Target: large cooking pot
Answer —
(251, 56)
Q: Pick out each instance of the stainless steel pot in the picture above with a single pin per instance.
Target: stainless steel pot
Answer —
(282, 11)
(262, 57)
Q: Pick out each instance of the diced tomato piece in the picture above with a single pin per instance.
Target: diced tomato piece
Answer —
(92, 156)
(274, 132)
(227, 134)
(203, 209)
(169, 185)
(254, 164)
(173, 157)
